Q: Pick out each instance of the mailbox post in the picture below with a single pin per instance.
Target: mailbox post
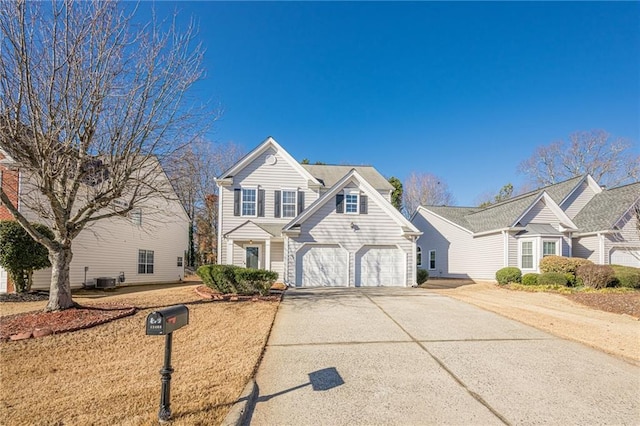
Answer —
(165, 322)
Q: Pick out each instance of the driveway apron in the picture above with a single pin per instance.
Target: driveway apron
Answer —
(405, 356)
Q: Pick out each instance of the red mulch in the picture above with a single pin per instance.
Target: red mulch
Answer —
(618, 303)
(63, 321)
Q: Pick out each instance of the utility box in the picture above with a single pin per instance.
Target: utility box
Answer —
(105, 282)
(167, 320)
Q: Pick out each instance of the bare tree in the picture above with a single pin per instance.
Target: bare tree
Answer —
(192, 172)
(609, 160)
(425, 189)
(90, 105)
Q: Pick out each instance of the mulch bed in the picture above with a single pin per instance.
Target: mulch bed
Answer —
(39, 323)
(618, 303)
(210, 294)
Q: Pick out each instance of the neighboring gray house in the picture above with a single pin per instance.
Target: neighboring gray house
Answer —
(575, 218)
(315, 225)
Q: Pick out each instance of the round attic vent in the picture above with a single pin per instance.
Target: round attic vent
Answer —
(271, 159)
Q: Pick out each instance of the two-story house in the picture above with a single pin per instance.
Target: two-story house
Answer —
(575, 218)
(145, 247)
(315, 225)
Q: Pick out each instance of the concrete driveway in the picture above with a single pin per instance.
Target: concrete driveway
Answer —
(409, 357)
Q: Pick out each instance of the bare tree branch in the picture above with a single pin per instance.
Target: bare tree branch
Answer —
(425, 189)
(90, 107)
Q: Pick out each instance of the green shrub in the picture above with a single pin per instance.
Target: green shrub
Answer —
(422, 276)
(230, 279)
(530, 279)
(552, 278)
(507, 275)
(252, 281)
(561, 264)
(596, 276)
(626, 276)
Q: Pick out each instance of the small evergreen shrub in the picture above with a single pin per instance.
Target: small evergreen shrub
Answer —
(626, 276)
(552, 278)
(596, 276)
(530, 279)
(507, 275)
(422, 276)
(230, 279)
(561, 264)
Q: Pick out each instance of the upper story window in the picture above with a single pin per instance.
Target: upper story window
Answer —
(249, 201)
(289, 203)
(351, 202)
(136, 216)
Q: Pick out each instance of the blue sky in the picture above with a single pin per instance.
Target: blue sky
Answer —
(461, 90)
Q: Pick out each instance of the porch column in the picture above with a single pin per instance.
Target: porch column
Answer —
(229, 252)
(267, 255)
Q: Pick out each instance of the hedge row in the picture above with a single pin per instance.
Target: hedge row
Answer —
(229, 279)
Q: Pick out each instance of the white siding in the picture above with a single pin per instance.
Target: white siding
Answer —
(375, 228)
(458, 254)
(277, 259)
(110, 246)
(587, 248)
(540, 213)
(513, 250)
(576, 201)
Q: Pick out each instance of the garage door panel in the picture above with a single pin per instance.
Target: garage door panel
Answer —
(380, 266)
(625, 257)
(322, 266)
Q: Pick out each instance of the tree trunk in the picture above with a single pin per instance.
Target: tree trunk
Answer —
(60, 290)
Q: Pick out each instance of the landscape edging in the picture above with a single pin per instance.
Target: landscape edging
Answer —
(237, 414)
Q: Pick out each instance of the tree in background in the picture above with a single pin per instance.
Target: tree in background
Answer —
(20, 254)
(91, 105)
(608, 160)
(192, 171)
(396, 195)
(425, 189)
(504, 194)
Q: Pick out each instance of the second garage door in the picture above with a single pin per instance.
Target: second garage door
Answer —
(626, 257)
(322, 265)
(380, 266)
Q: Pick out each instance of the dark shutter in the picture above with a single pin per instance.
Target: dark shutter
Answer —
(260, 202)
(300, 201)
(340, 203)
(276, 203)
(237, 193)
(364, 204)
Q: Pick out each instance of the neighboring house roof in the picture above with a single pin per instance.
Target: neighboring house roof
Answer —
(353, 176)
(607, 208)
(506, 213)
(329, 175)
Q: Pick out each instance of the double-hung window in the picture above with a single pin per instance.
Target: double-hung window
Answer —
(351, 202)
(145, 261)
(526, 254)
(432, 259)
(549, 248)
(249, 201)
(289, 203)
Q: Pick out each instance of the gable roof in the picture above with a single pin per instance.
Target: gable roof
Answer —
(265, 145)
(607, 208)
(353, 176)
(505, 214)
(329, 175)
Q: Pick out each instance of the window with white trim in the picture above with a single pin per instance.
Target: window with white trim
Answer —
(145, 261)
(418, 256)
(432, 259)
(179, 262)
(526, 254)
(249, 201)
(351, 202)
(289, 199)
(136, 216)
(549, 248)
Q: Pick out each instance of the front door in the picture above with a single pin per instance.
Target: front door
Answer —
(252, 257)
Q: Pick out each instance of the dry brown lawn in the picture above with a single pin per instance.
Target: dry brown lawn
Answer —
(109, 374)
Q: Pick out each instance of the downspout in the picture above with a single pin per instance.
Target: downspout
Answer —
(505, 248)
(414, 253)
(219, 249)
(601, 248)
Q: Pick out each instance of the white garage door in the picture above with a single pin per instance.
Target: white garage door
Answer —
(325, 265)
(380, 266)
(626, 257)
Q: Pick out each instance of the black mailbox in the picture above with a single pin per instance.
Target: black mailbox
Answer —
(167, 320)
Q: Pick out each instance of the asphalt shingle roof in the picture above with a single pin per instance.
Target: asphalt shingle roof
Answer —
(329, 175)
(606, 208)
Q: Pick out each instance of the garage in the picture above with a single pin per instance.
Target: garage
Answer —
(322, 265)
(625, 256)
(380, 266)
